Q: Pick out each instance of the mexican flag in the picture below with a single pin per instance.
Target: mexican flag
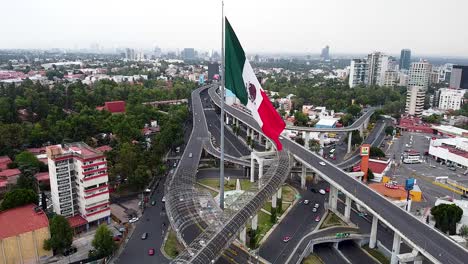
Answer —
(241, 80)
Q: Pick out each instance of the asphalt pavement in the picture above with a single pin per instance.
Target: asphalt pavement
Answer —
(354, 253)
(328, 254)
(299, 221)
(153, 221)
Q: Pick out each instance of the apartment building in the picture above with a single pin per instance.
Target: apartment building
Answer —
(79, 183)
(450, 99)
(415, 100)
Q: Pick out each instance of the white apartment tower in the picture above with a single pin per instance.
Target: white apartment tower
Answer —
(419, 74)
(415, 100)
(79, 183)
(358, 72)
(451, 99)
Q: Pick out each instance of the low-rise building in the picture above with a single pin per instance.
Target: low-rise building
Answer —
(22, 234)
(450, 150)
(451, 131)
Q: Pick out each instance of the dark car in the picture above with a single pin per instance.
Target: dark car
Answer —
(313, 190)
(69, 251)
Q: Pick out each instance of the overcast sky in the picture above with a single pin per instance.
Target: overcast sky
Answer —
(430, 27)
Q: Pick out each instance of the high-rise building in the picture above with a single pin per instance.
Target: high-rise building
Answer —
(213, 69)
(420, 73)
(129, 54)
(415, 100)
(325, 55)
(459, 77)
(405, 59)
(79, 182)
(188, 54)
(378, 65)
(157, 52)
(451, 99)
(358, 72)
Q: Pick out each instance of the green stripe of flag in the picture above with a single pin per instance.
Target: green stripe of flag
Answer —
(234, 64)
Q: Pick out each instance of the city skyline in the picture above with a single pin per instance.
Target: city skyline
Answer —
(310, 25)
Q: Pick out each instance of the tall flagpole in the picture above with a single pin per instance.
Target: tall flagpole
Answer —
(221, 166)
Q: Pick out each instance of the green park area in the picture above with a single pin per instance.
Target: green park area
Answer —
(376, 254)
(332, 220)
(172, 247)
(312, 259)
(228, 185)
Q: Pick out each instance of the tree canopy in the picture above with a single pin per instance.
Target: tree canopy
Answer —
(376, 152)
(447, 216)
(61, 234)
(103, 241)
(18, 197)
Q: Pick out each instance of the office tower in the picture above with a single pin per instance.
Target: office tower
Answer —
(325, 55)
(419, 74)
(459, 77)
(415, 100)
(358, 72)
(450, 98)
(129, 54)
(188, 54)
(378, 65)
(213, 69)
(79, 182)
(405, 59)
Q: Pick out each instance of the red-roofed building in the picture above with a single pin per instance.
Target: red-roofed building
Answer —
(379, 168)
(4, 161)
(11, 175)
(104, 148)
(22, 234)
(43, 177)
(113, 107)
(415, 124)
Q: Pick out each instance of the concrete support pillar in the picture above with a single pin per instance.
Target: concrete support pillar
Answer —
(373, 234)
(347, 212)
(418, 261)
(350, 136)
(255, 222)
(395, 248)
(306, 139)
(333, 197)
(252, 168)
(279, 193)
(108, 220)
(273, 201)
(243, 235)
(260, 169)
(226, 120)
(303, 176)
(322, 143)
(252, 134)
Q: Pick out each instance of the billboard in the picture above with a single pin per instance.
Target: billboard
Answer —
(365, 150)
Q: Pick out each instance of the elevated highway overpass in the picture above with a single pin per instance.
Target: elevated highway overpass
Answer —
(429, 242)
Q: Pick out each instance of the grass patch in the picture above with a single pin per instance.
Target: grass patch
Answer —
(332, 220)
(172, 247)
(377, 254)
(288, 194)
(201, 188)
(312, 259)
(228, 186)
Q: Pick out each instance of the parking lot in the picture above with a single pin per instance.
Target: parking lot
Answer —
(425, 172)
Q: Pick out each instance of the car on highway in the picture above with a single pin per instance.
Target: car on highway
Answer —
(322, 163)
(306, 202)
(452, 168)
(316, 205)
(163, 199)
(322, 191)
(190, 155)
(327, 189)
(314, 210)
(133, 220)
(151, 251)
(153, 203)
(313, 190)
(286, 239)
(317, 219)
(144, 236)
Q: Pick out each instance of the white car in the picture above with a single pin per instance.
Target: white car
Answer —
(306, 201)
(133, 220)
(322, 163)
(322, 191)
